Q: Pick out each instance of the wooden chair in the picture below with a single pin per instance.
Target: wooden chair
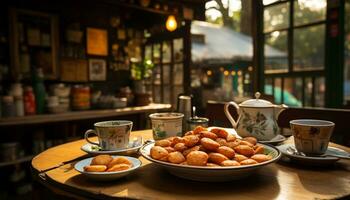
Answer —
(341, 118)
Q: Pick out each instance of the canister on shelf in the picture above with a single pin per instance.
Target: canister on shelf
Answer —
(29, 101)
(19, 106)
(8, 106)
(81, 97)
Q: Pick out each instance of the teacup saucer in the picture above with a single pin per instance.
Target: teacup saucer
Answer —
(274, 141)
(133, 147)
(311, 160)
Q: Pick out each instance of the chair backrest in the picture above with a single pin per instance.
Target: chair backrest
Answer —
(341, 118)
(215, 113)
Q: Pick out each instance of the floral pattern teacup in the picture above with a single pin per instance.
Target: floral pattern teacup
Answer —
(112, 135)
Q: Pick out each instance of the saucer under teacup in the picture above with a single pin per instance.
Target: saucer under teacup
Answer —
(133, 147)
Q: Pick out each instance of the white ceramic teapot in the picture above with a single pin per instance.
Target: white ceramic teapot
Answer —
(257, 118)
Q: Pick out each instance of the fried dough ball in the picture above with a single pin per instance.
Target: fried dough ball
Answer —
(240, 158)
(180, 147)
(217, 158)
(261, 158)
(169, 149)
(163, 143)
(197, 158)
(232, 144)
(199, 129)
(258, 149)
(118, 167)
(187, 151)
(176, 157)
(221, 141)
(177, 140)
(101, 160)
(230, 163)
(209, 144)
(248, 162)
(189, 133)
(208, 134)
(191, 140)
(95, 168)
(230, 138)
(158, 152)
(246, 143)
(220, 132)
(226, 151)
(119, 160)
(244, 150)
(165, 158)
(251, 140)
(212, 165)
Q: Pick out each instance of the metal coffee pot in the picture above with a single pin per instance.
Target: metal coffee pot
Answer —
(257, 118)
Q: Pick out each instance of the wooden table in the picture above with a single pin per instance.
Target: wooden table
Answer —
(276, 181)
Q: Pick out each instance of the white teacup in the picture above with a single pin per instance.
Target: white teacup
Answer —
(166, 125)
(112, 135)
(311, 136)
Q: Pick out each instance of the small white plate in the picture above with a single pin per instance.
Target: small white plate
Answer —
(134, 146)
(106, 176)
(312, 160)
(274, 141)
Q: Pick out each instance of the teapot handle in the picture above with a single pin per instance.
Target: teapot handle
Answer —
(228, 115)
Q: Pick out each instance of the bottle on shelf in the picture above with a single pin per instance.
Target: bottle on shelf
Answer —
(39, 90)
(29, 101)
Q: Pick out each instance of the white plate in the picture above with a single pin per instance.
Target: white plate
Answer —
(211, 174)
(106, 176)
(274, 141)
(311, 160)
(134, 146)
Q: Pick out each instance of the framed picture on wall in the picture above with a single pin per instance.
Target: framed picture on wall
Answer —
(97, 70)
(97, 42)
(33, 42)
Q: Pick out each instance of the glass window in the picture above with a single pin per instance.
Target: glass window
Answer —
(156, 53)
(320, 88)
(157, 95)
(167, 94)
(178, 50)
(308, 92)
(308, 11)
(268, 86)
(278, 90)
(148, 52)
(267, 2)
(293, 92)
(166, 74)
(276, 17)
(347, 54)
(276, 52)
(166, 52)
(309, 48)
(178, 74)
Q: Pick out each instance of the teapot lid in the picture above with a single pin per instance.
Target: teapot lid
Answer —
(259, 103)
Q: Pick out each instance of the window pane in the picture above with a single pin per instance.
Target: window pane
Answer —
(148, 52)
(292, 93)
(278, 91)
(320, 88)
(156, 94)
(267, 2)
(307, 11)
(178, 50)
(276, 51)
(156, 75)
(308, 92)
(166, 74)
(347, 54)
(309, 47)
(178, 74)
(276, 17)
(167, 93)
(268, 86)
(156, 53)
(166, 52)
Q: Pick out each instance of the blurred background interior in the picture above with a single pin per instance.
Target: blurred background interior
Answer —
(67, 64)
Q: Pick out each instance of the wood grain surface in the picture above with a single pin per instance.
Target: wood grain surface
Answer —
(281, 180)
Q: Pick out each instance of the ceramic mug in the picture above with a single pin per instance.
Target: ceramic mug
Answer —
(112, 135)
(311, 136)
(166, 125)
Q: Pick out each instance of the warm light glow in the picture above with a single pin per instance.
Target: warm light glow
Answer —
(209, 72)
(250, 68)
(233, 73)
(171, 23)
(221, 69)
(226, 73)
(239, 73)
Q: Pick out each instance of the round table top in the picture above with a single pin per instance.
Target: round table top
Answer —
(55, 169)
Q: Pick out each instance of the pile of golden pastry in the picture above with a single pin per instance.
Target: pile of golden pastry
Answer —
(106, 163)
(213, 148)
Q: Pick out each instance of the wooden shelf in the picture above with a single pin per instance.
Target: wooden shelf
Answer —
(20, 160)
(80, 115)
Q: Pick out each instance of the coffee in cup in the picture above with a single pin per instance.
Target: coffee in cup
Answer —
(311, 136)
(112, 135)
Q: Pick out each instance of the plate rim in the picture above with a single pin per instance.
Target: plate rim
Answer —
(139, 163)
(308, 158)
(167, 164)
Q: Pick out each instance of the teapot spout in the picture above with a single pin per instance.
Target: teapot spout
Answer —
(278, 109)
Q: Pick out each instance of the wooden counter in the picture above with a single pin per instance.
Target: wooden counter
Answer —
(80, 115)
(276, 181)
